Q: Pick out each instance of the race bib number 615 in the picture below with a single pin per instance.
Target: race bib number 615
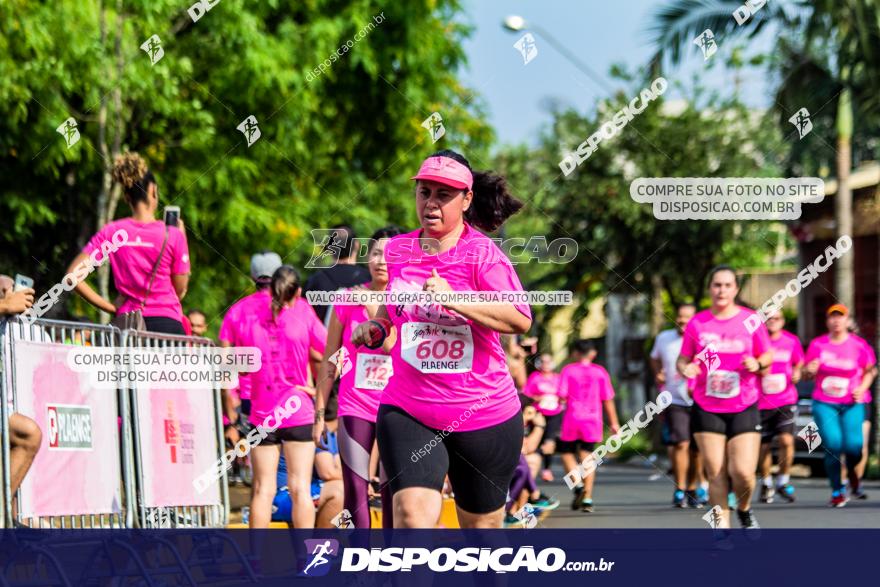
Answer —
(432, 348)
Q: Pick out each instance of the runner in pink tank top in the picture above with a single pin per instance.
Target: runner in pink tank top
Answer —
(451, 405)
(725, 348)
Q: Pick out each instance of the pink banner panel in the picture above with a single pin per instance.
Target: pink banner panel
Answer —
(178, 443)
(77, 470)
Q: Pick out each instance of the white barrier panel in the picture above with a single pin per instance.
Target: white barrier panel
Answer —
(77, 468)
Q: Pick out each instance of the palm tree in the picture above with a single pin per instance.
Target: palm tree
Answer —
(844, 33)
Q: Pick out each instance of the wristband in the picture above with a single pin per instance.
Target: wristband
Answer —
(383, 326)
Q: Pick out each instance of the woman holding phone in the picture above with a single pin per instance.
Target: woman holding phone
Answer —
(451, 405)
(149, 260)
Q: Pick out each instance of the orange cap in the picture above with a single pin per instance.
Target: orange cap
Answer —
(837, 308)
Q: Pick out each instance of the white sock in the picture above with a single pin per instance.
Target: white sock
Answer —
(704, 486)
(768, 481)
(782, 480)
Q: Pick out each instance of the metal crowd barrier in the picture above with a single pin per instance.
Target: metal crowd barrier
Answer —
(61, 333)
(183, 516)
(134, 512)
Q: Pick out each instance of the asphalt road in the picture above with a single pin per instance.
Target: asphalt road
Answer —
(641, 497)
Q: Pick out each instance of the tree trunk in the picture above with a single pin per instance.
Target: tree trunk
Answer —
(110, 193)
(844, 280)
(657, 319)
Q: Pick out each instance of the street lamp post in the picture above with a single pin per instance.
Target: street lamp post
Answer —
(516, 23)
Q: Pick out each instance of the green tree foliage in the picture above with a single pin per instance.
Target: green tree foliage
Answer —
(621, 245)
(338, 146)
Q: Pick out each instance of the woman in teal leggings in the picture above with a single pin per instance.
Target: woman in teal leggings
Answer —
(842, 365)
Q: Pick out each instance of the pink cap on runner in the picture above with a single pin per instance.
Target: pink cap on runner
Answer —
(446, 171)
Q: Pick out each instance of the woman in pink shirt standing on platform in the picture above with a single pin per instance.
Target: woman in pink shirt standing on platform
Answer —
(842, 365)
(725, 348)
(151, 267)
(364, 374)
(451, 405)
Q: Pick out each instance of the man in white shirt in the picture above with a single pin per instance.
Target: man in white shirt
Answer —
(683, 457)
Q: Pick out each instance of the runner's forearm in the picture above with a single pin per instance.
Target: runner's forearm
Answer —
(503, 318)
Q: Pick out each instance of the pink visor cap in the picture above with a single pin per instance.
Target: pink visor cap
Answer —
(446, 171)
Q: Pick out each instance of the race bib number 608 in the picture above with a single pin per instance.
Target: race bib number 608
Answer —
(432, 348)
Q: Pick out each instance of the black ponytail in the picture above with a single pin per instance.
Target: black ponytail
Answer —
(285, 284)
(493, 203)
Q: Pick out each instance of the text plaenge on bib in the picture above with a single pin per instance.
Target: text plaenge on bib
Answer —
(443, 363)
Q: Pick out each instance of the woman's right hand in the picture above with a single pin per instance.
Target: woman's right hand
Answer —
(318, 433)
(691, 370)
(361, 334)
(812, 367)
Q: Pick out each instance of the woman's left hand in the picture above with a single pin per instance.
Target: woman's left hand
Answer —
(858, 394)
(435, 283)
(751, 364)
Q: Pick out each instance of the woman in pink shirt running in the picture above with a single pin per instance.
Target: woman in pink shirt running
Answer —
(543, 386)
(364, 373)
(842, 365)
(586, 388)
(451, 405)
(725, 357)
(148, 244)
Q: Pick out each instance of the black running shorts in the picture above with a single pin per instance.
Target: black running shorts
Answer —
(730, 425)
(676, 425)
(292, 434)
(554, 425)
(480, 463)
(777, 421)
(574, 446)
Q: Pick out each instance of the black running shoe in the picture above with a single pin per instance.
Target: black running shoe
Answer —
(786, 492)
(747, 520)
(576, 502)
(678, 499)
